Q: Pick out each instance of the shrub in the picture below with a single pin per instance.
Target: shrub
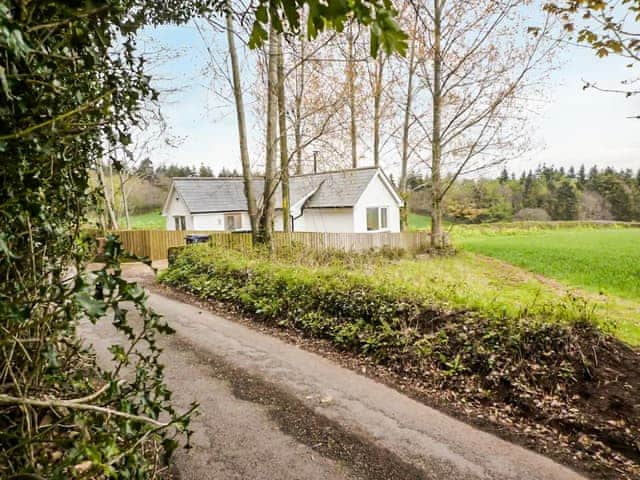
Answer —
(532, 215)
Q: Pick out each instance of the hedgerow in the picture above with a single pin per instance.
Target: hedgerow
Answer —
(72, 84)
(529, 364)
(380, 319)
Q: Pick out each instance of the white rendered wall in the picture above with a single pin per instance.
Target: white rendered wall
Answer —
(277, 221)
(215, 221)
(298, 223)
(176, 208)
(376, 195)
(334, 220)
(208, 221)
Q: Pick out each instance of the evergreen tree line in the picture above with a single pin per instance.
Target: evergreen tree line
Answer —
(546, 193)
(147, 170)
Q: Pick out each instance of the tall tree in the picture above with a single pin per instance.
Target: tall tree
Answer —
(298, 98)
(350, 83)
(378, 86)
(270, 170)
(407, 120)
(480, 70)
(241, 122)
(436, 129)
(284, 151)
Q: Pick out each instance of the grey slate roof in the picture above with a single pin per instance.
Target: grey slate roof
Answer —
(335, 189)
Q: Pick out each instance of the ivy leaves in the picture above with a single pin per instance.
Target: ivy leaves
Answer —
(71, 84)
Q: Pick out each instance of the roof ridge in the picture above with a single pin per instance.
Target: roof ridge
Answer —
(261, 177)
(211, 178)
(344, 170)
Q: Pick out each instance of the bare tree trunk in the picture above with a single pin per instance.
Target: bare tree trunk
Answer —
(298, 107)
(284, 151)
(404, 191)
(377, 97)
(351, 87)
(107, 199)
(266, 219)
(125, 203)
(436, 147)
(242, 125)
(112, 191)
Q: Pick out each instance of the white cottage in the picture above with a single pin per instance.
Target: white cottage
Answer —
(356, 200)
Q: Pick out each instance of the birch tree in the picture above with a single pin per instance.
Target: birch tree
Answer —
(377, 89)
(409, 72)
(480, 79)
(282, 127)
(350, 87)
(241, 122)
(268, 199)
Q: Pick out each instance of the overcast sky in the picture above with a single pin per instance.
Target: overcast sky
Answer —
(576, 126)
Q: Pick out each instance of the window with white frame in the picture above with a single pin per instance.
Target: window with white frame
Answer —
(180, 222)
(232, 221)
(377, 218)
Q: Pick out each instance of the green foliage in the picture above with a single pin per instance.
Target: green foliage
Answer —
(608, 27)
(71, 86)
(286, 15)
(545, 191)
(566, 205)
(347, 306)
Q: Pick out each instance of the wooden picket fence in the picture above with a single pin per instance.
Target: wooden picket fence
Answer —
(154, 244)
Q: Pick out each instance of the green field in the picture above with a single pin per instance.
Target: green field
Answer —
(146, 221)
(600, 264)
(598, 260)
(418, 221)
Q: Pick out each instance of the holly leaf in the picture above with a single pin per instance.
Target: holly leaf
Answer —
(92, 307)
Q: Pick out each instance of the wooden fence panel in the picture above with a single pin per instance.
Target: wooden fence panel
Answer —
(154, 244)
